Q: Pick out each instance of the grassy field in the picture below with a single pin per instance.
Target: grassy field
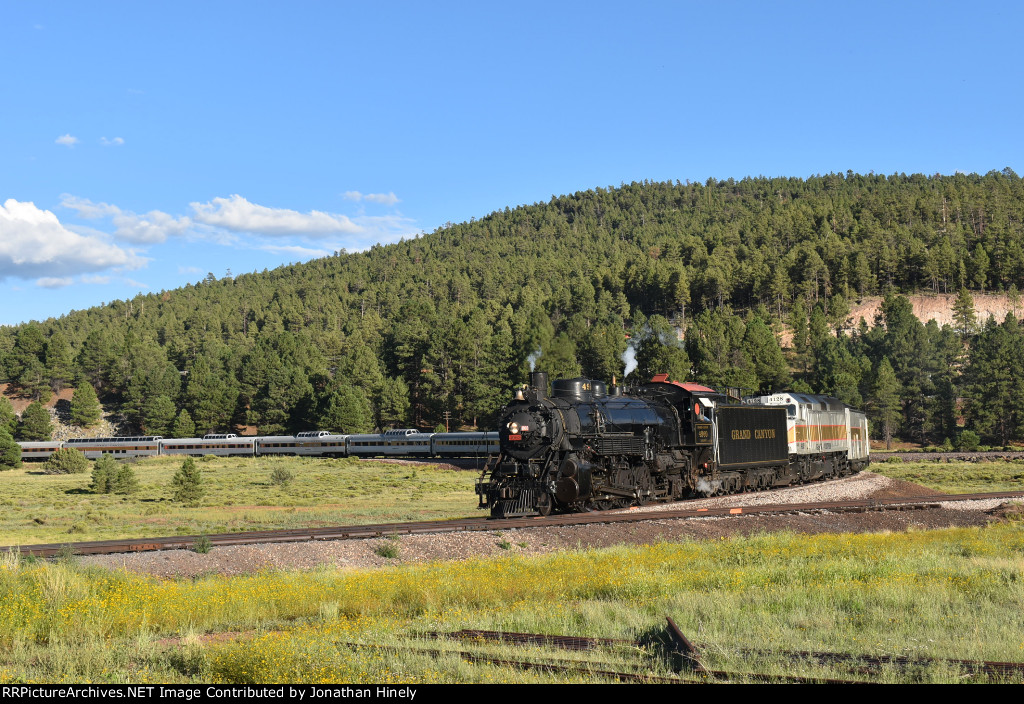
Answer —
(42, 508)
(957, 477)
(955, 593)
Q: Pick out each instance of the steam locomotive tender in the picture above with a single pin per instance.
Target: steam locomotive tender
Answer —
(583, 447)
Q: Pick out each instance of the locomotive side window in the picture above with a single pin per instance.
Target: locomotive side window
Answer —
(791, 410)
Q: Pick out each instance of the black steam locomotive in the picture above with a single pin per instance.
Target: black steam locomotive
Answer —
(584, 446)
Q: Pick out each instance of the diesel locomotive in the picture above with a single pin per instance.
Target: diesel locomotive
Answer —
(584, 446)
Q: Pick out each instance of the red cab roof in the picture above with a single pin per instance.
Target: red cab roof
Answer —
(663, 379)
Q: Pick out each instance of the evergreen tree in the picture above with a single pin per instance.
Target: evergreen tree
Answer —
(158, 415)
(59, 364)
(8, 418)
(183, 426)
(10, 451)
(559, 358)
(762, 349)
(964, 318)
(35, 424)
(188, 484)
(66, 460)
(885, 400)
(104, 470)
(659, 351)
(995, 382)
(394, 403)
(125, 481)
(344, 409)
(85, 407)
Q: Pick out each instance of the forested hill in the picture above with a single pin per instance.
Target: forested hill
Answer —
(450, 321)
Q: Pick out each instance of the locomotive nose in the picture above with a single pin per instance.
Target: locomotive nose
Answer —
(521, 426)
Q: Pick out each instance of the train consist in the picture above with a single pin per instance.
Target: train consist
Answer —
(314, 443)
(584, 447)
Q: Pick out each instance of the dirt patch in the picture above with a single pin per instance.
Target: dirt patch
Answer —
(1008, 513)
(937, 307)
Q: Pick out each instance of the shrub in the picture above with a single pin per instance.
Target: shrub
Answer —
(202, 545)
(66, 460)
(112, 477)
(188, 483)
(389, 548)
(282, 476)
(103, 472)
(968, 441)
(125, 481)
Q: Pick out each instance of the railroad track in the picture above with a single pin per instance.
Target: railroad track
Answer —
(912, 456)
(294, 535)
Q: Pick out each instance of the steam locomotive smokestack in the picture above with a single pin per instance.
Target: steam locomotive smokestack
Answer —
(539, 381)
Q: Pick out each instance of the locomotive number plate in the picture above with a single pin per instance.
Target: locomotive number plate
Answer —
(703, 433)
(515, 437)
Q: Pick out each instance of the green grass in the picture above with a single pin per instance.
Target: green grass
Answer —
(957, 477)
(240, 495)
(954, 593)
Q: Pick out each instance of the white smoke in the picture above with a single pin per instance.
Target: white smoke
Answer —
(629, 358)
(532, 359)
(708, 488)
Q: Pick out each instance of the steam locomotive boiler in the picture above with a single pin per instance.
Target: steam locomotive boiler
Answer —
(585, 446)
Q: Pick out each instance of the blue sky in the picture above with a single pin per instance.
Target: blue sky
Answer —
(143, 145)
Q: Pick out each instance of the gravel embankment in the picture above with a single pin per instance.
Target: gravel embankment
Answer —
(359, 554)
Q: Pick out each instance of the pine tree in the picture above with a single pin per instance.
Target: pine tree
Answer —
(188, 483)
(10, 451)
(344, 409)
(35, 424)
(85, 407)
(158, 414)
(59, 365)
(394, 403)
(762, 349)
(104, 469)
(8, 418)
(886, 399)
(964, 318)
(183, 426)
(66, 460)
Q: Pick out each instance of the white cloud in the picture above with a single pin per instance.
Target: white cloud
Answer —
(115, 142)
(67, 140)
(189, 270)
(90, 279)
(239, 215)
(51, 282)
(383, 198)
(151, 228)
(35, 245)
(86, 208)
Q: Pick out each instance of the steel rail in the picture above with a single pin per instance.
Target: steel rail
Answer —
(188, 542)
(866, 664)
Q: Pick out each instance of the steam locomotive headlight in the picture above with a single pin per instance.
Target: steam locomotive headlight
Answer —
(513, 428)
